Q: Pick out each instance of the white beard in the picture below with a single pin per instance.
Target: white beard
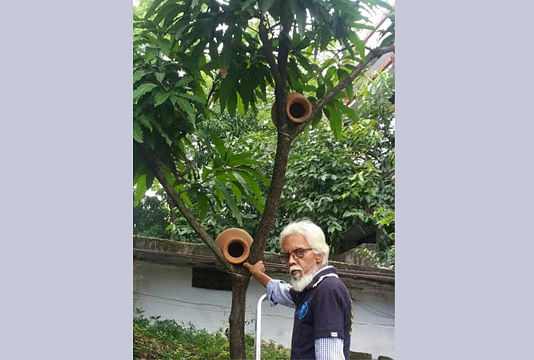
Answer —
(299, 283)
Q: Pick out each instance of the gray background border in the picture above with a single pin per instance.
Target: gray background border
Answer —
(66, 155)
(464, 180)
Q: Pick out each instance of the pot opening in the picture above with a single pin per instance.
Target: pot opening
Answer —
(235, 249)
(297, 110)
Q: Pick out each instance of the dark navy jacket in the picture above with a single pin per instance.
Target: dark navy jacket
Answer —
(322, 309)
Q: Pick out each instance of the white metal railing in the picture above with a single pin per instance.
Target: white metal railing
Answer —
(257, 339)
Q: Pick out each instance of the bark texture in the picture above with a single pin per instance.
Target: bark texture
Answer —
(237, 317)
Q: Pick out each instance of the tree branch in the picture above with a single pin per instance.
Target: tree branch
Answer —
(284, 42)
(173, 195)
(273, 198)
(280, 91)
(268, 52)
(373, 54)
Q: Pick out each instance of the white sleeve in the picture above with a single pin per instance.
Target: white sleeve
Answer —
(278, 293)
(329, 349)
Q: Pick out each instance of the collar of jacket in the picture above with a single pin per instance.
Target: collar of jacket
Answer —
(323, 272)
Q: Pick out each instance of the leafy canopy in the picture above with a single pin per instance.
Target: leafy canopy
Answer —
(336, 183)
(194, 60)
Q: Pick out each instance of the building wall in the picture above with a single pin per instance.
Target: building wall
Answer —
(166, 291)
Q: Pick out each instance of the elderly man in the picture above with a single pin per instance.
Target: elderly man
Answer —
(323, 307)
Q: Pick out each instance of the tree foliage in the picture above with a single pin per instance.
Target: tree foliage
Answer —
(192, 55)
(151, 218)
(340, 183)
(336, 183)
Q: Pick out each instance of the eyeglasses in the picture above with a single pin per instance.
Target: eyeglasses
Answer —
(299, 253)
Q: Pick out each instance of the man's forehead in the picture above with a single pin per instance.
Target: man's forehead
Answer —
(294, 241)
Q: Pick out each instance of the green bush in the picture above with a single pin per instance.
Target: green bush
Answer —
(154, 338)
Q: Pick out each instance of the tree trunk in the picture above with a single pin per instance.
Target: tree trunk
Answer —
(237, 317)
(273, 198)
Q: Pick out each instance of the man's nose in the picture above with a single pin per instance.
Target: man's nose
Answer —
(291, 261)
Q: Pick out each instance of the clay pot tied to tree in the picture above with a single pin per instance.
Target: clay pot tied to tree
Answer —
(195, 57)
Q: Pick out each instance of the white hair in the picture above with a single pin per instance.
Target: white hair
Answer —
(313, 235)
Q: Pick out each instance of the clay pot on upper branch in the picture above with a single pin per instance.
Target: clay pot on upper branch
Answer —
(298, 108)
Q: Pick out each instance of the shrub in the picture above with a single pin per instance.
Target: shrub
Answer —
(154, 338)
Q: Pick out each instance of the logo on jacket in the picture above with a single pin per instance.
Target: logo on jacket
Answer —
(303, 310)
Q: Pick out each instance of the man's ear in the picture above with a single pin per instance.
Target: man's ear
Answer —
(319, 258)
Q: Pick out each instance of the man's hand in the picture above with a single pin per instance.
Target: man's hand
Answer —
(258, 271)
(256, 268)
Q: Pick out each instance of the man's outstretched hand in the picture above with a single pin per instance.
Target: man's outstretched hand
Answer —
(258, 271)
(256, 268)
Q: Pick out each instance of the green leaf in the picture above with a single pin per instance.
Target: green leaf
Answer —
(168, 175)
(232, 102)
(163, 133)
(254, 194)
(329, 76)
(142, 90)
(219, 145)
(236, 191)
(230, 201)
(266, 5)
(140, 189)
(359, 44)
(183, 81)
(243, 159)
(203, 204)
(325, 37)
(388, 40)
(138, 75)
(185, 197)
(219, 194)
(305, 63)
(151, 53)
(194, 98)
(351, 113)
(259, 176)
(258, 204)
(349, 91)
(240, 107)
(321, 89)
(145, 121)
(373, 3)
(165, 46)
(235, 176)
(335, 122)
(160, 97)
(149, 180)
(251, 183)
(179, 27)
(184, 105)
(327, 63)
(137, 132)
(159, 76)
(317, 119)
(152, 8)
(300, 13)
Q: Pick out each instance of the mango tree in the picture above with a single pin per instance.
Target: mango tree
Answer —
(195, 58)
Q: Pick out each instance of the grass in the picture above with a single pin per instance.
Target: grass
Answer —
(154, 338)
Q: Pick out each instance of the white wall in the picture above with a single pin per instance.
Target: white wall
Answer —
(166, 291)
